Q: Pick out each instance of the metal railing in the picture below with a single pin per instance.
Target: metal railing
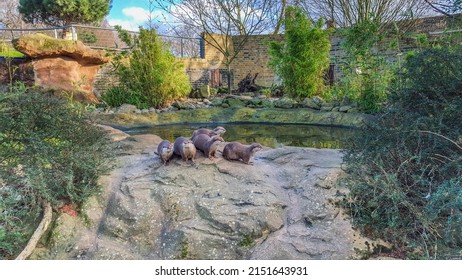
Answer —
(105, 38)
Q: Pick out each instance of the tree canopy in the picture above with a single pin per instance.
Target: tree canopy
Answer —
(64, 12)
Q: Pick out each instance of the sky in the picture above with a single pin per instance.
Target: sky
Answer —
(130, 14)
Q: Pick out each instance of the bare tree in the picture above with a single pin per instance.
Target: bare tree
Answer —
(349, 12)
(445, 7)
(185, 41)
(221, 20)
(9, 15)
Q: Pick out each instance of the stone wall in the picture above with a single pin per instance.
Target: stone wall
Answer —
(105, 78)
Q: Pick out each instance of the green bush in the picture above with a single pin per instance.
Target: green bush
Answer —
(301, 61)
(87, 37)
(48, 151)
(367, 74)
(150, 76)
(405, 169)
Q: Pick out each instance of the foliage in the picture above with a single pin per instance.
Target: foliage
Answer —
(150, 76)
(87, 37)
(7, 51)
(405, 169)
(302, 59)
(367, 74)
(48, 151)
(64, 12)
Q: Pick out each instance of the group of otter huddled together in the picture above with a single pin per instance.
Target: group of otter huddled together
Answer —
(206, 141)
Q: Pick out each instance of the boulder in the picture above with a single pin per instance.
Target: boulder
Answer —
(285, 103)
(183, 105)
(311, 103)
(345, 108)
(204, 91)
(43, 46)
(234, 102)
(277, 208)
(62, 64)
(127, 109)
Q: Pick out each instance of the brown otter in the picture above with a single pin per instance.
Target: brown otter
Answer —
(237, 151)
(165, 151)
(185, 148)
(210, 132)
(208, 145)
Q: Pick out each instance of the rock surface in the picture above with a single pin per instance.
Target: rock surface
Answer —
(62, 64)
(277, 208)
(236, 114)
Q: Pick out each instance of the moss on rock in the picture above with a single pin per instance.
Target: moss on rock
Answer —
(217, 114)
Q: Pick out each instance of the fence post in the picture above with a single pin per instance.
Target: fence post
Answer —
(56, 33)
(74, 34)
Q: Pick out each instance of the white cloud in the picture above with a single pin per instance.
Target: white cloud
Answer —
(134, 17)
(125, 24)
(137, 16)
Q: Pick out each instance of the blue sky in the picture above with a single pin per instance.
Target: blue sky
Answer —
(130, 14)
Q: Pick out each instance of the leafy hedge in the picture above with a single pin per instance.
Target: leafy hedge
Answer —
(150, 76)
(48, 150)
(301, 61)
(405, 170)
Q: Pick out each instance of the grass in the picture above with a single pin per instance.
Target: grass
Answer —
(11, 53)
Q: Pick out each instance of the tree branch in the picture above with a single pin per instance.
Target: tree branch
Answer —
(42, 227)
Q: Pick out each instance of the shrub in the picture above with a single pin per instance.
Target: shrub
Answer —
(151, 75)
(366, 75)
(301, 61)
(87, 37)
(49, 152)
(405, 169)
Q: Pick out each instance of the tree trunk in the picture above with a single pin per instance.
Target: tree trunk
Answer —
(229, 78)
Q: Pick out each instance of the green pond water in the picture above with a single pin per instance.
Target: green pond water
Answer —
(271, 135)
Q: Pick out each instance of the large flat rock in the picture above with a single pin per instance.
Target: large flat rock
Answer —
(278, 208)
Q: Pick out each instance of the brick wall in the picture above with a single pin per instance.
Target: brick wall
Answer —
(254, 58)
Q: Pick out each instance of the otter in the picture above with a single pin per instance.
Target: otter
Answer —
(165, 151)
(185, 148)
(237, 151)
(208, 145)
(216, 131)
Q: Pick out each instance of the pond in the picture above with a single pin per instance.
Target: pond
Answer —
(267, 134)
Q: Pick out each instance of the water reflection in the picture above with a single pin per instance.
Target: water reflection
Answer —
(271, 135)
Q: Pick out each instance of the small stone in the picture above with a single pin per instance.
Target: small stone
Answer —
(127, 109)
(345, 108)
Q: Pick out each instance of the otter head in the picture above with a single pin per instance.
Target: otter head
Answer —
(168, 149)
(188, 144)
(217, 138)
(218, 130)
(255, 147)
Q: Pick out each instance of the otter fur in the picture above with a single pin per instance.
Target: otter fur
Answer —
(210, 132)
(184, 148)
(238, 151)
(165, 151)
(208, 145)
